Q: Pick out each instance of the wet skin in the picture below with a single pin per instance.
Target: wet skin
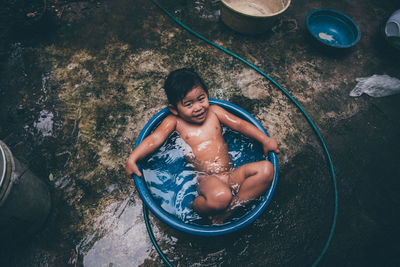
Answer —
(199, 125)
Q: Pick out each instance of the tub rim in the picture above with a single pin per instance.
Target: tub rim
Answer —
(195, 229)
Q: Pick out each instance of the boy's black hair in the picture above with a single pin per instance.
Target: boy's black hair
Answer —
(180, 82)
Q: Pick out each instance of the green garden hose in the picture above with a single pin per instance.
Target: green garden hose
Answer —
(294, 101)
(152, 238)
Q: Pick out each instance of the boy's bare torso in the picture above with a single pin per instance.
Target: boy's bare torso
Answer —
(210, 151)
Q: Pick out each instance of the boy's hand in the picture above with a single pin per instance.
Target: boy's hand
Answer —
(271, 145)
(132, 168)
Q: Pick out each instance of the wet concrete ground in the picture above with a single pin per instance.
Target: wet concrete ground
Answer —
(78, 85)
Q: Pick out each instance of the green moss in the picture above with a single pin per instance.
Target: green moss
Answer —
(250, 105)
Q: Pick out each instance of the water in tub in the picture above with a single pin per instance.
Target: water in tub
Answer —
(171, 179)
(250, 8)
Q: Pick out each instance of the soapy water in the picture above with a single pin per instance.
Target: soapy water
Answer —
(257, 8)
(172, 181)
(326, 37)
(251, 9)
(333, 39)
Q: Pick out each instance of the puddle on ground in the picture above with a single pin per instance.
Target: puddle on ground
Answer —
(44, 123)
(123, 237)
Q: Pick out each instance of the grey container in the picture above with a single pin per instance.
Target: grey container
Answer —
(25, 200)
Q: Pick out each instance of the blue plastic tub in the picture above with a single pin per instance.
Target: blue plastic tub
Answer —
(204, 230)
(333, 28)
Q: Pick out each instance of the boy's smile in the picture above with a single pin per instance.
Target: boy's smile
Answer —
(194, 106)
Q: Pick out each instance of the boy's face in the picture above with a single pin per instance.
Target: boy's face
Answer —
(194, 106)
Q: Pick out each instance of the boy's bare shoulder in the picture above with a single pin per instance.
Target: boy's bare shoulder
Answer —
(170, 119)
(169, 123)
(217, 110)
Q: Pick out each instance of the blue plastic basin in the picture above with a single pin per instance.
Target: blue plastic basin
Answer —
(333, 28)
(206, 230)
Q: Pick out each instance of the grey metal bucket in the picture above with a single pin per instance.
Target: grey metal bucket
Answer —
(25, 200)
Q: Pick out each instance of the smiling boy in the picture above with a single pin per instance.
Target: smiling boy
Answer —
(221, 188)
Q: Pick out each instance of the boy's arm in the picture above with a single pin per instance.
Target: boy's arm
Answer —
(246, 128)
(150, 144)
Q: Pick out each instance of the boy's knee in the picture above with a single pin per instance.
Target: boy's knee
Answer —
(220, 199)
(267, 171)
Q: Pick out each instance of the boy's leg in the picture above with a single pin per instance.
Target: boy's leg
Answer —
(253, 178)
(214, 195)
(249, 181)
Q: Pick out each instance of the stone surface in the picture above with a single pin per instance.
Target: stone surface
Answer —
(90, 74)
